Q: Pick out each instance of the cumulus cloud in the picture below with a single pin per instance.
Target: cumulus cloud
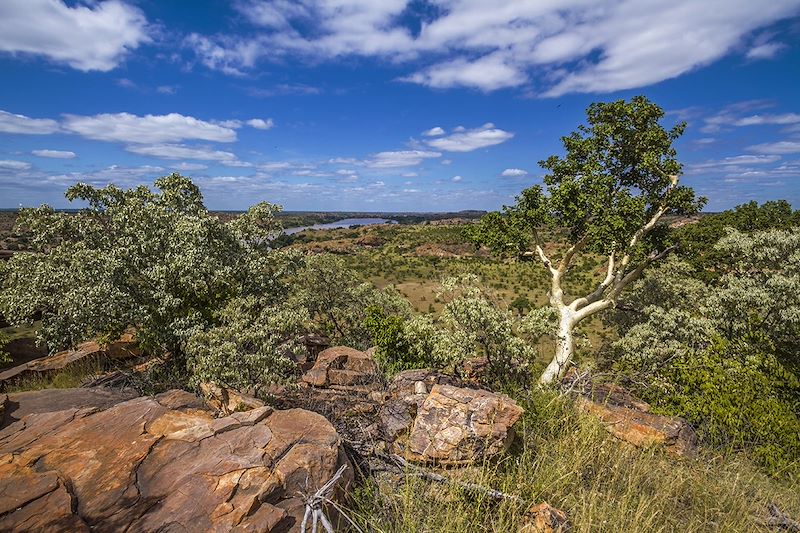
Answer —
(433, 132)
(55, 154)
(400, 159)
(560, 47)
(125, 127)
(469, 140)
(514, 172)
(86, 36)
(456, 179)
(8, 164)
(180, 151)
(189, 166)
(12, 123)
(260, 124)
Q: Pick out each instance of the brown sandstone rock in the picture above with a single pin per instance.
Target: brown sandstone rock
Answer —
(641, 428)
(342, 366)
(227, 401)
(544, 518)
(163, 464)
(122, 348)
(404, 396)
(458, 426)
(22, 404)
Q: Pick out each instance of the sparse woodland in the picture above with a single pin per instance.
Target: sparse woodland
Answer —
(592, 278)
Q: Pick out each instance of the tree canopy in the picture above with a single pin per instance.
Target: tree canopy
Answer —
(606, 195)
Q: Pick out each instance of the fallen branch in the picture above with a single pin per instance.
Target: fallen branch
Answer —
(780, 520)
(438, 478)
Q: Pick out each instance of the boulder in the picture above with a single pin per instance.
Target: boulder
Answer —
(639, 427)
(344, 367)
(123, 348)
(227, 401)
(163, 464)
(543, 518)
(459, 426)
(403, 398)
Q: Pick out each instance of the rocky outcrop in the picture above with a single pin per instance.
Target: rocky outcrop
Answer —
(163, 464)
(341, 366)
(427, 420)
(628, 419)
(403, 398)
(123, 348)
(543, 518)
(21, 404)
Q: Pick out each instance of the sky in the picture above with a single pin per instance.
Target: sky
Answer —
(385, 105)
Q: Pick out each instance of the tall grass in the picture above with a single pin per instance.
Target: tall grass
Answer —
(570, 461)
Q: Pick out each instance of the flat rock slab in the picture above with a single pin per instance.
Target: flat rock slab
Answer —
(21, 404)
(163, 464)
(123, 348)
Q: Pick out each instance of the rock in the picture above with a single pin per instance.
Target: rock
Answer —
(459, 426)
(163, 464)
(342, 366)
(544, 518)
(403, 398)
(227, 401)
(641, 428)
(474, 370)
(22, 404)
(3, 402)
(123, 348)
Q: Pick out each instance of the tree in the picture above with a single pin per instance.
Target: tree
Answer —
(157, 261)
(606, 196)
(724, 355)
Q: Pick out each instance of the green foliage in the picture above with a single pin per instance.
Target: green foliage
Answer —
(337, 299)
(254, 345)
(724, 356)
(617, 172)
(4, 357)
(697, 240)
(157, 261)
(470, 325)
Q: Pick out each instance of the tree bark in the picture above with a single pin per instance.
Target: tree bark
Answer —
(565, 346)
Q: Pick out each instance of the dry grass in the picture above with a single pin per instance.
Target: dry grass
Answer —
(602, 484)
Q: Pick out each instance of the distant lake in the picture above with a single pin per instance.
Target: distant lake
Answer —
(344, 223)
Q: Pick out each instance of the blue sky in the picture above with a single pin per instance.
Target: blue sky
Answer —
(393, 105)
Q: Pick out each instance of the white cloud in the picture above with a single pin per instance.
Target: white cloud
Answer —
(56, 154)
(8, 164)
(409, 174)
(433, 132)
(86, 36)
(469, 140)
(447, 161)
(167, 89)
(765, 51)
(11, 123)
(488, 73)
(781, 147)
(399, 159)
(189, 166)
(456, 179)
(563, 46)
(180, 151)
(125, 127)
(260, 124)
(757, 120)
(514, 172)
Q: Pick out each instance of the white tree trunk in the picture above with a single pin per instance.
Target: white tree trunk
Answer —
(565, 346)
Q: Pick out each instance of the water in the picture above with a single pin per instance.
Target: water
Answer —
(344, 223)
